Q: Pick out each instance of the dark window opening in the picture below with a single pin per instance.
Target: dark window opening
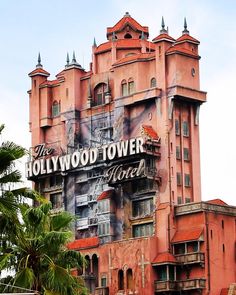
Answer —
(128, 36)
(130, 86)
(185, 129)
(187, 181)
(186, 154)
(120, 279)
(56, 200)
(104, 282)
(177, 128)
(55, 180)
(179, 200)
(178, 153)
(99, 94)
(222, 224)
(179, 178)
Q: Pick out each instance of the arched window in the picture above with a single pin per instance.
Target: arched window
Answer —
(120, 279)
(129, 276)
(128, 36)
(124, 88)
(87, 265)
(95, 268)
(130, 86)
(153, 82)
(56, 108)
(99, 94)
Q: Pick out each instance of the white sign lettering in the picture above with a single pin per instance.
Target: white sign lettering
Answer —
(84, 157)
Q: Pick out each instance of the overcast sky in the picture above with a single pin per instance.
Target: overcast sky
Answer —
(56, 27)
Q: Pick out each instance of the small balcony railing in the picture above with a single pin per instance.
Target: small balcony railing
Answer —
(165, 286)
(191, 284)
(92, 221)
(102, 291)
(82, 223)
(82, 200)
(190, 258)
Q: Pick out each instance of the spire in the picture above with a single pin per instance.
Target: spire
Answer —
(185, 31)
(73, 58)
(94, 42)
(67, 59)
(39, 65)
(163, 30)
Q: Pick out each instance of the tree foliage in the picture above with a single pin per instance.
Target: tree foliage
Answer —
(34, 245)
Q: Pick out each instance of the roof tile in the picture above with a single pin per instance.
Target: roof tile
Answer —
(149, 131)
(163, 37)
(217, 202)
(39, 71)
(84, 243)
(126, 20)
(186, 37)
(187, 235)
(105, 195)
(164, 258)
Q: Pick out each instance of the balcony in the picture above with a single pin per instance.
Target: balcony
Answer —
(82, 223)
(92, 198)
(190, 258)
(93, 221)
(185, 285)
(165, 286)
(81, 200)
(191, 284)
(102, 291)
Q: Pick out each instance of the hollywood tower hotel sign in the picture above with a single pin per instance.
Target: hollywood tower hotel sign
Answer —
(118, 146)
(89, 156)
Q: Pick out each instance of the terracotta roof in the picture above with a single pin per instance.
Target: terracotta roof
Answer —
(217, 202)
(178, 48)
(133, 57)
(163, 37)
(164, 258)
(224, 291)
(124, 43)
(53, 82)
(127, 19)
(149, 131)
(84, 243)
(186, 37)
(105, 195)
(40, 72)
(187, 235)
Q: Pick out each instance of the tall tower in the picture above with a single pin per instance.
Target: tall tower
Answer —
(118, 146)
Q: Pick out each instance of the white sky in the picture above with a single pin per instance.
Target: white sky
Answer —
(56, 27)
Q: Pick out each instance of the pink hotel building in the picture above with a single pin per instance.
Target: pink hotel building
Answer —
(118, 146)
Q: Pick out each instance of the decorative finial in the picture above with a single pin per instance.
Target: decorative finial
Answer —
(185, 31)
(127, 14)
(163, 30)
(142, 36)
(94, 42)
(73, 58)
(67, 59)
(39, 65)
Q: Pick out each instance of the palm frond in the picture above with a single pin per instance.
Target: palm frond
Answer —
(71, 259)
(61, 221)
(25, 278)
(11, 177)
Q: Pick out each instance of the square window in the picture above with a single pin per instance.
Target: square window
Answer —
(186, 154)
(185, 129)
(178, 153)
(177, 129)
(179, 200)
(179, 178)
(187, 182)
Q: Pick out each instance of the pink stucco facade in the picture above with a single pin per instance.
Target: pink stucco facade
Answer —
(146, 232)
